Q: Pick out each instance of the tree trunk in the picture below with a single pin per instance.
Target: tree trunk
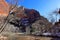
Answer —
(28, 30)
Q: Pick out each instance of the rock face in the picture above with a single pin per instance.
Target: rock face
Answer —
(24, 18)
(42, 25)
(3, 8)
(32, 14)
(24, 14)
(30, 18)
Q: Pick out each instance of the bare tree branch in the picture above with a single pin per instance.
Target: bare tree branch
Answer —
(13, 4)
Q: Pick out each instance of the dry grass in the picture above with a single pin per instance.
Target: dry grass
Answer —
(14, 36)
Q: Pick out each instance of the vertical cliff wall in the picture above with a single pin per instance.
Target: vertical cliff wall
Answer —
(3, 8)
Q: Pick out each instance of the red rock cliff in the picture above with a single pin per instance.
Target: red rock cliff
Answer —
(3, 8)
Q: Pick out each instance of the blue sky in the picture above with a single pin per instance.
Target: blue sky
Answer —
(43, 6)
